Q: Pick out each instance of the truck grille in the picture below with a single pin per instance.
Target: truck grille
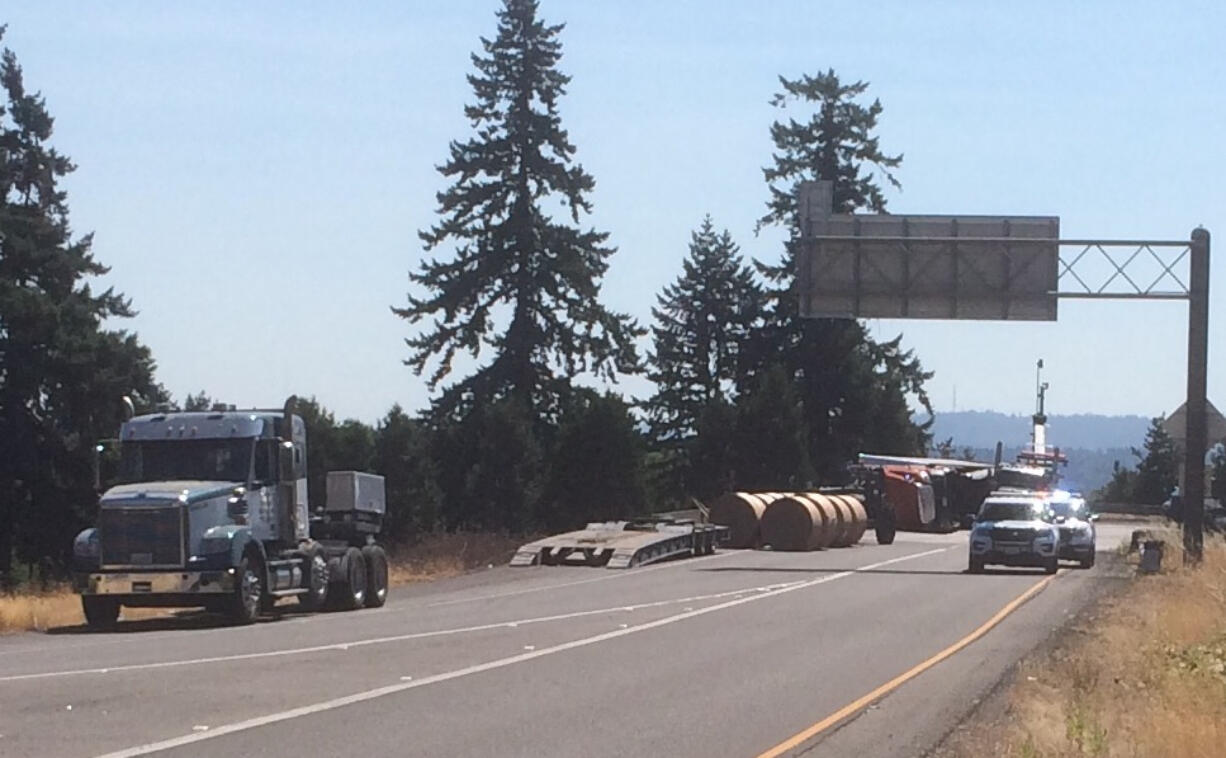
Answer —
(141, 536)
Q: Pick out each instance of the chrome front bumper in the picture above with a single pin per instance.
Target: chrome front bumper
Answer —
(159, 583)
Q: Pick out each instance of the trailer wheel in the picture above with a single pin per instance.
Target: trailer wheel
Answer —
(315, 567)
(885, 529)
(376, 575)
(248, 597)
(350, 588)
(100, 612)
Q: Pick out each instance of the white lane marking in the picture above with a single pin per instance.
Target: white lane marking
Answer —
(342, 646)
(613, 574)
(392, 689)
(409, 605)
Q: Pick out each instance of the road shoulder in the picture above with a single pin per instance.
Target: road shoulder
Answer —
(981, 728)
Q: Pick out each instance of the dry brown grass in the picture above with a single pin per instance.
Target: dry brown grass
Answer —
(434, 556)
(1145, 675)
(60, 607)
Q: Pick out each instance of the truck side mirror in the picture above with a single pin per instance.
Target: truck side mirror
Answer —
(285, 461)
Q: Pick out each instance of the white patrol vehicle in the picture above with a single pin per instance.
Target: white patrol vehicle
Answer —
(1076, 524)
(1014, 529)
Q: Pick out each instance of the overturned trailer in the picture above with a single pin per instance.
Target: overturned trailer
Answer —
(624, 544)
(932, 494)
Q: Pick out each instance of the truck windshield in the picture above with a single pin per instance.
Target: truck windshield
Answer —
(1008, 512)
(225, 460)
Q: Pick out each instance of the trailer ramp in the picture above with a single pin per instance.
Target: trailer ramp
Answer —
(623, 544)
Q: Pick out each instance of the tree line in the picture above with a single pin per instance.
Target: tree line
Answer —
(747, 394)
(1155, 478)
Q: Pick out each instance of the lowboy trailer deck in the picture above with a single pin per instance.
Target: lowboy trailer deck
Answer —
(624, 544)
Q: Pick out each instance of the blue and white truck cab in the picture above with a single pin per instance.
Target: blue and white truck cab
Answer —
(210, 510)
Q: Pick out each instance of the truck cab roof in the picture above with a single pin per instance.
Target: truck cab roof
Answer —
(205, 425)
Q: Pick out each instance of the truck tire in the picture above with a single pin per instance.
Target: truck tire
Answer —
(248, 597)
(975, 566)
(1051, 566)
(885, 531)
(1088, 563)
(315, 579)
(350, 587)
(376, 575)
(100, 612)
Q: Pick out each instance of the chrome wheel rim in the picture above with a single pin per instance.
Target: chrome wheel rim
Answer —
(319, 576)
(251, 592)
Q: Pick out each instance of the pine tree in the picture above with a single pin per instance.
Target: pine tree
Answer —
(490, 468)
(1158, 471)
(596, 468)
(701, 322)
(202, 402)
(712, 462)
(61, 373)
(1121, 488)
(836, 143)
(510, 254)
(853, 390)
(402, 457)
(768, 439)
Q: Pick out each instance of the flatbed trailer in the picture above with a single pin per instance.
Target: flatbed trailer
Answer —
(624, 544)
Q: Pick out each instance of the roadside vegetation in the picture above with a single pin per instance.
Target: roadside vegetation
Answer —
(436, 556)
(1144, 675)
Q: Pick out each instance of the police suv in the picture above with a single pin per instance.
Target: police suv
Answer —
(1014, 529)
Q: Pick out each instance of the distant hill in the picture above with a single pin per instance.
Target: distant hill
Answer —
(983, 429)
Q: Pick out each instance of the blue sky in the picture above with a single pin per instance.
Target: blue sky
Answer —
(255, 174)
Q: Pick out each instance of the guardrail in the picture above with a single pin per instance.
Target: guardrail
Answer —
(1128, 509)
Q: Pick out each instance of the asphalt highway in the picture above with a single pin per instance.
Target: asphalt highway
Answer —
(727, 655)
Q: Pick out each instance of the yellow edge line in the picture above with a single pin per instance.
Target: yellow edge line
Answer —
(885, 689)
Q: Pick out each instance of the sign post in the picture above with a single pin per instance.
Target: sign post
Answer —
(1197, 419)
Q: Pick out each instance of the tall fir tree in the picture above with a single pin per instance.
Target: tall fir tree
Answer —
(596, 469)
(511, 257)
(853, 389)
(61, 373)
(836, 143)
(768, 438)
(490, 468)
(402, 456)
(1158, 470)
(702, 320)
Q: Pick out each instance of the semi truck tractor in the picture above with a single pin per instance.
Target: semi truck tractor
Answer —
(211, 511)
